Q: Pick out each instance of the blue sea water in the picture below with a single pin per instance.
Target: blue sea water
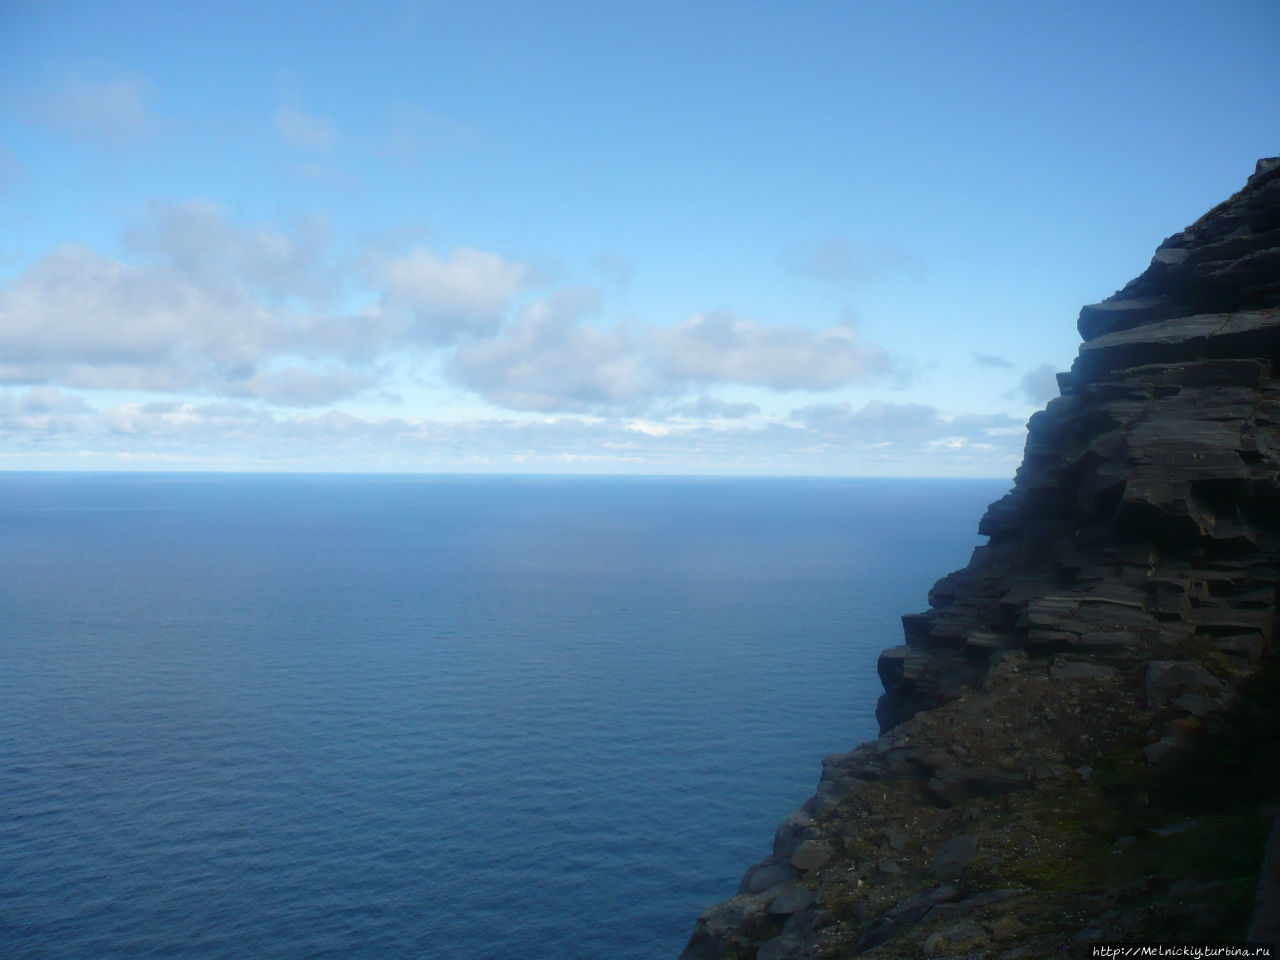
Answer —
(428, 717)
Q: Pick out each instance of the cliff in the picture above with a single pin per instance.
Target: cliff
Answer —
(1079, 737)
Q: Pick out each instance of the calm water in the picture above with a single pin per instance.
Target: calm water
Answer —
(453, 718)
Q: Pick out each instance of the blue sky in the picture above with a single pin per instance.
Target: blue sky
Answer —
(759, 238)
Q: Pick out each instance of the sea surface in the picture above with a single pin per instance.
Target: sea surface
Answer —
(453, 718)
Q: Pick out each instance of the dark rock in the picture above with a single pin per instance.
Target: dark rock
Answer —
(1082, 670)
(1173, 829)
(766, 876)
(812, 855)
(896, 838)
(954, 855)
(1164, 748)
(963, 936)
(1110, 316)
(792, 900)
(1264, 926)
(956, 908)
(779, 948)
(1168, 678)
(883, 928)
(1199, 705)
(954, 785)
(893, 669)
(794, 831)
(738, 920)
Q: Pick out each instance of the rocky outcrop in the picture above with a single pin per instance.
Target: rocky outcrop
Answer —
(1079, 737)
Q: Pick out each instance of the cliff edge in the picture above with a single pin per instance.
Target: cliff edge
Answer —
(1079, 739)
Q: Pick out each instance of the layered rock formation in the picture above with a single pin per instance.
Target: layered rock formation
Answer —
(1079, 737)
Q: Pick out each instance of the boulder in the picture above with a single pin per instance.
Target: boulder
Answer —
(812, 855)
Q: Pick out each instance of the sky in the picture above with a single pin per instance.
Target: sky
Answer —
(801, 238)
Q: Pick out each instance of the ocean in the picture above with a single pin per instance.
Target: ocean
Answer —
(457, 718)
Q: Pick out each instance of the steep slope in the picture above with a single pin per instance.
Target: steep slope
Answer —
(1079, 737)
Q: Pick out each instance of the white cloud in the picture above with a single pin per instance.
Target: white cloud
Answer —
(713, 408)
(876, 421)
(200, 242)
(202, 303)
(466, 293)
(211, 308)
(297, 386)
(718, 348)
(901, 423)
(98, 102)
(305, 130)
(208, 304)
(76, 307)
(548, 360)
(177, 433)
(39, 400)
(648, 428)
(991, 360)
(40, 412)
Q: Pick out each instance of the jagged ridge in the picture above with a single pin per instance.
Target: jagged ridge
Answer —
(1069, 692)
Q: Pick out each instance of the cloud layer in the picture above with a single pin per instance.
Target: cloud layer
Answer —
(43, 422)
(466, 293)
(237, 339)
(718, 348)
(204, 304)
(233, 342)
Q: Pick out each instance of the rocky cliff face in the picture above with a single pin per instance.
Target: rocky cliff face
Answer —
(1079, 737)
